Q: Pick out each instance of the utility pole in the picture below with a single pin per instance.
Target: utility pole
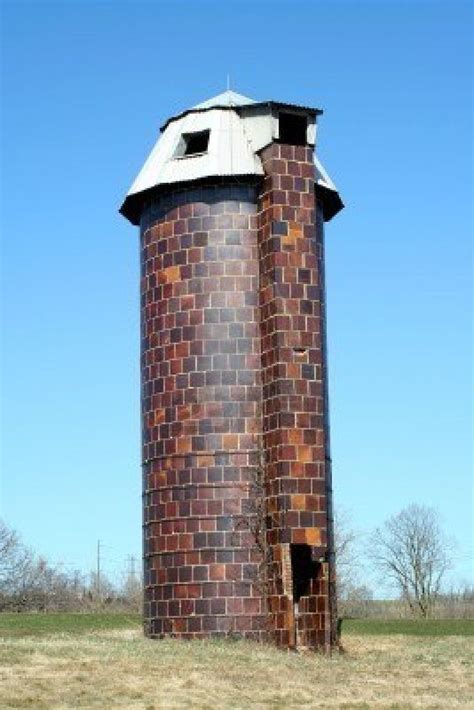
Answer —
(98, 568)
(131, 559)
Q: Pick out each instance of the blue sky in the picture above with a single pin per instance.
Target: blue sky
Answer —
(85, 87)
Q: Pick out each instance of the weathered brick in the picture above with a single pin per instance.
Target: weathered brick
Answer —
(232, 369)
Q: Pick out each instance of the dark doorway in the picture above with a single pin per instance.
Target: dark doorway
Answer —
(304, 569)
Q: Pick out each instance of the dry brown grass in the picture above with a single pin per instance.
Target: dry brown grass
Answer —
(120, 669)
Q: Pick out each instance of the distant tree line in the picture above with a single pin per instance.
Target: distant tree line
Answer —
(409, 551)
(29, 582)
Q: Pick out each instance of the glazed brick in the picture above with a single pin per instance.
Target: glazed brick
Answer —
(201, 401)
(233, 395)
(293, 390)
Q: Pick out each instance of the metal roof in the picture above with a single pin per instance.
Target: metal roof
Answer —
(229, 151)
(227, 98)
(239, 128)
(231, 100)
(327, 191)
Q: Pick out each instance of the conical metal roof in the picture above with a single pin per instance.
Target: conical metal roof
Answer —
(227, 98)
(230, 130)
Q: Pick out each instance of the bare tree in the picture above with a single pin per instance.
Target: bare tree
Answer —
(29, 582)
(411, 550)
(353, 594)
(345, 548)
(8, 542)
(15, 559)
(131, 592)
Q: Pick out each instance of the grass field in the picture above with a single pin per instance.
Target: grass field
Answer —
(408, 627)
(102, 661)
(18, 625)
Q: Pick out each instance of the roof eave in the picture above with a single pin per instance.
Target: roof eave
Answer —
(244, 107)
(331, 201)
(133, 205)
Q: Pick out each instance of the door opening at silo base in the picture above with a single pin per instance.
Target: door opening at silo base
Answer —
(292, 128)
(304, 569)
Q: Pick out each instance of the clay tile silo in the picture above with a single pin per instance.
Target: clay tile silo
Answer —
(236, 468)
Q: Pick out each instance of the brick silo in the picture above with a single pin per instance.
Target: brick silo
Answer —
(236, 467)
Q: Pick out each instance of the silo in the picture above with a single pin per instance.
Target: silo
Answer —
(236, 479)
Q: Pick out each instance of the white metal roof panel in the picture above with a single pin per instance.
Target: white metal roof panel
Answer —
(229, 152)
(321, 177)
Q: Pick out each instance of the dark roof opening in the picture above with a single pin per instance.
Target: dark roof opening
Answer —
(292, 128)
(193, 143)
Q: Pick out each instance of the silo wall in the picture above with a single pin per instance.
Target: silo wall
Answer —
(201, 414)
(294, 402)
(236, 462)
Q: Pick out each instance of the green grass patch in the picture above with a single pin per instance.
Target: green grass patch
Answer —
(18, 625)
(22, 625)
(409, 627)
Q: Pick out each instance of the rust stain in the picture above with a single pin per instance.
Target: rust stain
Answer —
(298, 502)
(305, 454)
(169, 275)
(313, 536)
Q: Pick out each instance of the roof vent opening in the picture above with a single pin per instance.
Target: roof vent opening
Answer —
(192, 144)
(292, 128)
